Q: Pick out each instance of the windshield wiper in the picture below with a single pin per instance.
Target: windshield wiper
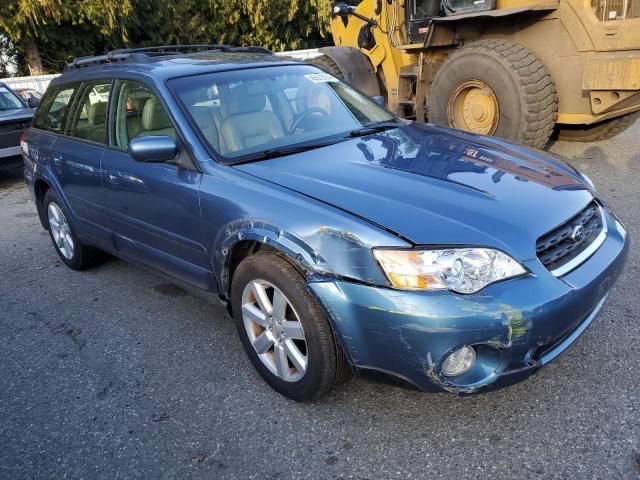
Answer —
(282, 151)
(304, 147)
(374, 128)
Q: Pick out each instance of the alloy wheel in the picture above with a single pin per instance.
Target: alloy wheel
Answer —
(274, 330)
(60, 231)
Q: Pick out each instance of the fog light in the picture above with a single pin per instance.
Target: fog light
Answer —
(459, 361)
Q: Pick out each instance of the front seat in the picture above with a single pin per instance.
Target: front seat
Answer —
(248, 124)
(155, 120)
(94, 129)
(206, 123)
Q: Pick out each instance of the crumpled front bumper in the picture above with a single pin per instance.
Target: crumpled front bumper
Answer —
(516, 326)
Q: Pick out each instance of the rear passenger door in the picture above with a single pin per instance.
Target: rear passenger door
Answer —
(154, 207)
(76, 158)
(48, 122)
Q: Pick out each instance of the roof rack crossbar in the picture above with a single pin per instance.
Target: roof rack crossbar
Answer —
(146, 53)
(173, 48)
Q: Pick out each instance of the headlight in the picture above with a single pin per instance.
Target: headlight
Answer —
(462, 270)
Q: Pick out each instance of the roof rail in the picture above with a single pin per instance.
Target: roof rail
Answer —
(144, 54)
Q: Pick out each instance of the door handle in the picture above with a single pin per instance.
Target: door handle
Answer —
(125, 179)
(57, 158)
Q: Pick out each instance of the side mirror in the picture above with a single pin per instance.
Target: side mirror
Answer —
(33, 102)
(379, 99)
(341, 10)
(153, 148)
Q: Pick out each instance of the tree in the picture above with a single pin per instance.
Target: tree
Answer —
(8, 58)
(49, 32)
(275, 24)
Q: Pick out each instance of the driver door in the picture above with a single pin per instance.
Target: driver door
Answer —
(154, 207)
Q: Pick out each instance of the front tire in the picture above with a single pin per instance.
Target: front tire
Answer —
(71, 251)
(283, 330)
(495, 87)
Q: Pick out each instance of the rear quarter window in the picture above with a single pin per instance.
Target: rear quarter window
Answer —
(54, 108)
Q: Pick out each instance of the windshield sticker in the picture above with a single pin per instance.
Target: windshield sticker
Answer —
(321, 78)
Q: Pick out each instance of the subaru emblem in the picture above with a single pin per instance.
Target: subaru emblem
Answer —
(577, 234)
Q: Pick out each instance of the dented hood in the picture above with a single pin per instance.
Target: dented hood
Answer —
(436, 186)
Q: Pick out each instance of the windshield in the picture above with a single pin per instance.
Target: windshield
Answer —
(244, 112)
(8, 100)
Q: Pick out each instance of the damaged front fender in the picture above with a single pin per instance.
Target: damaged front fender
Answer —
(318, 238)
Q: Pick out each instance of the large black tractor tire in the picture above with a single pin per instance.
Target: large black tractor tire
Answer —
(519, 85)
(351, 66)
(599, 131)
(328, 65)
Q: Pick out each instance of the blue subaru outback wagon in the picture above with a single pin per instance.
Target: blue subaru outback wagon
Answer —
(340, 237)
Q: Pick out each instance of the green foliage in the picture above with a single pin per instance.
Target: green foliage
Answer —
(9, 59)
(63, 29)
(275, 24)
(60, 29)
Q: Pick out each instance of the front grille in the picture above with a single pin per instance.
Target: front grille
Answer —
(613, 10)
(563, 244)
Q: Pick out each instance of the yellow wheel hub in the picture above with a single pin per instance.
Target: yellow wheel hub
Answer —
(473, 106)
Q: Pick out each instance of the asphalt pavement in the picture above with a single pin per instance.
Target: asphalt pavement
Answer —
(115, 373)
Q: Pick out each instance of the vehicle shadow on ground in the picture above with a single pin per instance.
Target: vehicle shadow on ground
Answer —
(11, 176)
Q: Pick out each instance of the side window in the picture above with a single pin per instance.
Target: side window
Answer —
(138, 112)
(89, 119)
(54, 108)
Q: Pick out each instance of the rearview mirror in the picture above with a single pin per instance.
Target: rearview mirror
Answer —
(153, 148)
(379, 99)
(33, 102)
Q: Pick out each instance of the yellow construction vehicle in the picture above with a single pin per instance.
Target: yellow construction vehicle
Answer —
(515, 69)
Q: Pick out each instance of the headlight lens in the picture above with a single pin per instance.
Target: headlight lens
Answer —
(462, 270)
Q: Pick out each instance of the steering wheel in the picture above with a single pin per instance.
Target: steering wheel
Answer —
(307, 113)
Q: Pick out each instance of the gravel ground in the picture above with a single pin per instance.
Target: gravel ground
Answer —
(114, 373)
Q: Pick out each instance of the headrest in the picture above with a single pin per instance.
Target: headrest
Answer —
(136, 104)
(244, 100)
(154, 116)
(97, 113)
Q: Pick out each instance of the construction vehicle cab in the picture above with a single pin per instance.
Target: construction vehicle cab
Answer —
(517, 69)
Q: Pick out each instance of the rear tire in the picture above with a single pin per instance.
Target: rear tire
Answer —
(69, 248)
(518, 82)
(324, 363)
(599, 131)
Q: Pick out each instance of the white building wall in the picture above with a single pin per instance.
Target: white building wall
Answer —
(41, 82)
(37, 82)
